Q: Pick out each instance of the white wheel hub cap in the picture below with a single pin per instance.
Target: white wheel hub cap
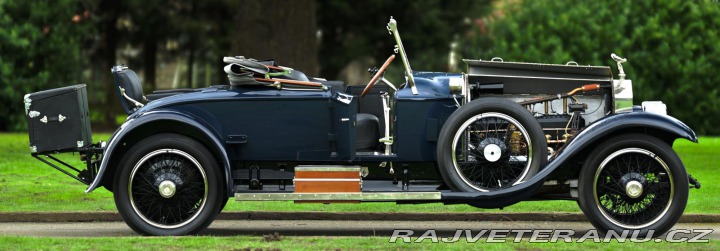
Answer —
(633, 189)
(167, 189)
(492, 152)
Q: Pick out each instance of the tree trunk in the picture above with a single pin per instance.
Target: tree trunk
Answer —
(190, 65)
(150, 47)
(109, 10)
(277, 29)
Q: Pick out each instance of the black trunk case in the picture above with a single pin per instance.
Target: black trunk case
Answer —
(58, 119)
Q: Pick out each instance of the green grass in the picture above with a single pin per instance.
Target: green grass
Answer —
(313, 243)
(29, 185)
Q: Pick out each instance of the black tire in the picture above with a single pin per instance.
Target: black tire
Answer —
(615, 203)
(223, 204)
(190, 179)
(485, 127)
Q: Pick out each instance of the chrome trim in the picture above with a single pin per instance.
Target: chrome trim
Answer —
(657, 107)
(392, 28)
(376, 197)
(634, 189)
(137, 104)
(641, 151)
(466, 89)
(622, 95)
(118, 68)
(171, 151)
(167, 189)
(327, 179)
(489, 152)
(532, 77)
(327, 168)
(492, 115)
(28, 103)
(344, 98)
(456, 86)
(619, 62)
(367, 153)
(388, 84)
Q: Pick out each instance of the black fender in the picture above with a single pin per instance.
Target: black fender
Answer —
(211, 140)
(662, 126)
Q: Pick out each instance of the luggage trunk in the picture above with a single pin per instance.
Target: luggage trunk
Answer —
(58, 119)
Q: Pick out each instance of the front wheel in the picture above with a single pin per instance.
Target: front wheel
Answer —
(633, 182)
(168, 184)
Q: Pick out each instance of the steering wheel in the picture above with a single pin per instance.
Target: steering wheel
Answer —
(377, 75)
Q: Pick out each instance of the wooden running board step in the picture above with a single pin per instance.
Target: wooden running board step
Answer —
(327, 179)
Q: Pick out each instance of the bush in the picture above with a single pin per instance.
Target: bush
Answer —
(672, 47)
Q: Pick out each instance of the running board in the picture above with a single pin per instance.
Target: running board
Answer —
(365, 197)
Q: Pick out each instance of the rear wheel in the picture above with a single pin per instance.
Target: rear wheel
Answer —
(168, 184)
(490, 144)
(633, 182)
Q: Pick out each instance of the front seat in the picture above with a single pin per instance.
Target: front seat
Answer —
(129, 88)
(367, 132)
(367, 125)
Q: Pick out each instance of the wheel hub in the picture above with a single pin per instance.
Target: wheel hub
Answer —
(634, 189)
(167, 189)
(634, 185)
(492, 152)
(492, 149)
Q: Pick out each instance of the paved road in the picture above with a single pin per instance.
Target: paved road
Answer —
(307, 228)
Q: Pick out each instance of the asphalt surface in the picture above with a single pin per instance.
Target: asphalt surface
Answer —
(106, 216)
(308, 227)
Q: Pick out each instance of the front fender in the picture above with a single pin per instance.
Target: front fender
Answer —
(668, 127)
(135, 122)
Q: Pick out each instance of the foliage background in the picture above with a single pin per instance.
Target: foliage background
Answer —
(673, 47)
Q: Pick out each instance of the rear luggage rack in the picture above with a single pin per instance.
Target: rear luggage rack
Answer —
(91, 155)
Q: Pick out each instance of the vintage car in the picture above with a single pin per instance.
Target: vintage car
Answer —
(499, 134)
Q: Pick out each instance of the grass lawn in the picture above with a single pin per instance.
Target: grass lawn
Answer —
(29, 185)
(313, 243)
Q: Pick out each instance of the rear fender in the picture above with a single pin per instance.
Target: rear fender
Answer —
(135, 125)
(662, 126)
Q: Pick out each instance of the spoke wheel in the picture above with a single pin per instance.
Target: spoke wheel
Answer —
(633, 188)
(633, 182)
(490, 151)
(490, 144)
(168, 188)
(168, 184)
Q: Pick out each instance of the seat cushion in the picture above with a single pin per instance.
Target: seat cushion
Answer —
(367, 131)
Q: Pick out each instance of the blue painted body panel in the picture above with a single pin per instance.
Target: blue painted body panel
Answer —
(419, 118)
(285, 125)
(264, 124)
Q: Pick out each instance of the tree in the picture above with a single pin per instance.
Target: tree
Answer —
(671, 46)
(277, 29)
(40, 48)
(353, 29)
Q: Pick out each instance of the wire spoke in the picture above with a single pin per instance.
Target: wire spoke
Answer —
(615, 201)
(189, 189)
(488, 173)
